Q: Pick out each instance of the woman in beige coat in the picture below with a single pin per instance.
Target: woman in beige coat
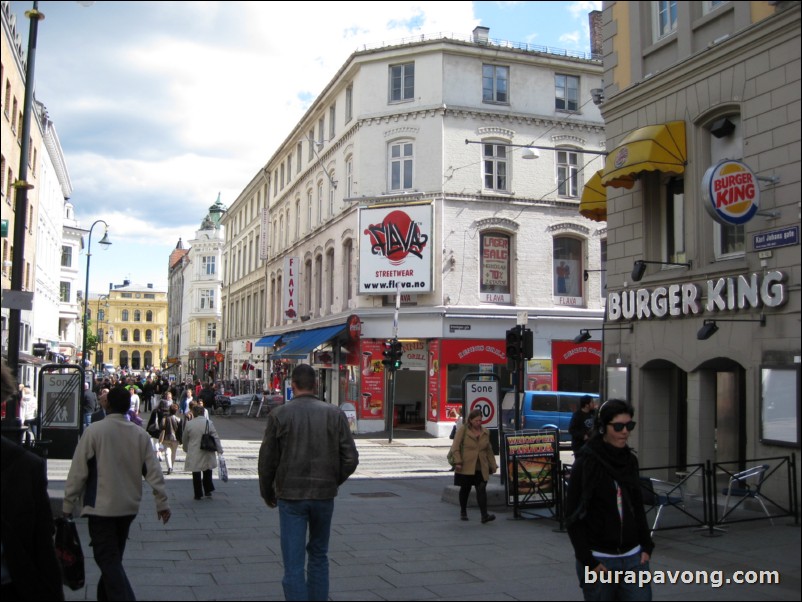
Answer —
(199, 461)
(474, 463)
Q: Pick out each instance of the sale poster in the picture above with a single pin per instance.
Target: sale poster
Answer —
(371, 404)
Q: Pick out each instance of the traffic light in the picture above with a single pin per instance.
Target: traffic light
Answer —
(514, 348)
(393, 352)
(398, 353)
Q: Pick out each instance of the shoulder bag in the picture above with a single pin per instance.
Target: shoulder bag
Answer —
(207, 442)
(450, 456)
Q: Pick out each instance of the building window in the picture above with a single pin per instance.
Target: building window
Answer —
(66, 256)
(207, 299)
(331, 199)
(495, 273)
(101, 315)
(349, 103)
(124, 335)
(320, 202)
(567, 268)
(321, 129)
(349, 177)
(148, 336)
(137, 315)
(125, 315)
(209, 265)
(330, 277)
(64, 292)
(298, 157)
(665, 18)
(148, 316)
(494, 160)
(309, 224)
(308, 285)
(402, 82)
(348, 263)
(332, 121)
(297, 219)
(136, 335)
(495, 83)
(401, 165)
(211, 333)
(567, 174)
(729, 239)
(672, 218)
(567, 92)
(311, 144)
(319, 284)
(289, 168)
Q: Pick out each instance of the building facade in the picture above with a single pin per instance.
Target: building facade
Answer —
(408, 183)
(201, 315)
(12, 97)
(135, 333)
(701, 106)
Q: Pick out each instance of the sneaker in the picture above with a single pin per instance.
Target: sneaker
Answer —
(488, 518)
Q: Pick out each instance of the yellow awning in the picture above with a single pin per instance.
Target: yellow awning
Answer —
(651, 148)
(593, 204)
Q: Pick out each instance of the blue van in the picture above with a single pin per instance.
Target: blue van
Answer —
(551, 409)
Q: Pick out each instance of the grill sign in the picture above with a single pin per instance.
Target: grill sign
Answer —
(731, 193)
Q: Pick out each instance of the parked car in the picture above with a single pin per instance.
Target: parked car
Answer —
(545, 409)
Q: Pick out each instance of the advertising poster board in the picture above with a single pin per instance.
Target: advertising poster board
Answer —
(371, 405)
(533, 455)
(395, 249)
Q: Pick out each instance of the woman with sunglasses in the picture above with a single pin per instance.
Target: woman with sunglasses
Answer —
(606, 517)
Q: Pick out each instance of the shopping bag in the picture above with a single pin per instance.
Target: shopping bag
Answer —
(69, 553)
(222, 469)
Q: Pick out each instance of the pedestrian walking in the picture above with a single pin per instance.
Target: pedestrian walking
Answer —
(474, 462)
(606, 517)
(106, 473)
(581, 426)
(200, 462)
(169, 434)
(307, 453)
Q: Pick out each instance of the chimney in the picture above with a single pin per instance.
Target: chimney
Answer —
(481, 34)
(150, 285)
(595, 23)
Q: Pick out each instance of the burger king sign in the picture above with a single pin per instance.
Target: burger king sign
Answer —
(731, 193)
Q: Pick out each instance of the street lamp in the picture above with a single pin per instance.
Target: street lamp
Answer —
(105, 242)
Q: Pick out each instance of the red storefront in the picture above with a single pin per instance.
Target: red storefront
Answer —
(575, 366)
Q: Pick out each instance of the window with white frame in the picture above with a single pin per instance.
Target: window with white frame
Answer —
(495, 83)
(664, 18)
(125, 315)
(309, 210)
(567, 174)
(307, 275)
(332, 121)
(672, 219)
(311, 144)
(402, 82)
(66, 256)
(319, 284)
(495, 166)
(401, 165)
(298, 157)
(209, 265)
(137, 315)
(348, 260)
(321, 130)
(64, 292)
(330, 277)
(289, 168)
(297, 219)
(349, 177)
(211, 333)
(331, 199)
(349, 103)
(566, 92)
(207, 299)
(320, 202)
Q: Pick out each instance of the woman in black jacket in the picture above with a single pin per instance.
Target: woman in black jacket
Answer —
(606, 517)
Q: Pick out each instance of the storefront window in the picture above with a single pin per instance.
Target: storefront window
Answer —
(779, 406)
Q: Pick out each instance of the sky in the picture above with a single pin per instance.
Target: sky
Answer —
(160, 106)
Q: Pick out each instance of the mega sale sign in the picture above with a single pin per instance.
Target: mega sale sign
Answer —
(395, 249)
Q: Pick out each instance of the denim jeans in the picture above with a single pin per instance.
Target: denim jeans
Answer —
(295, 516)
(108, 535)
(612, 584)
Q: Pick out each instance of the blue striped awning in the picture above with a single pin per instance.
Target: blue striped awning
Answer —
(301, 343)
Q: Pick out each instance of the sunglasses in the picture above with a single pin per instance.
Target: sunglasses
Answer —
(620, 426)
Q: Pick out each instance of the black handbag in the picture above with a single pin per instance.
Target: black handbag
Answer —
(69, 552)
(207, 442)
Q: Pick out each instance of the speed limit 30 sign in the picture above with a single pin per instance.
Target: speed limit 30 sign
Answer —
(483, 396)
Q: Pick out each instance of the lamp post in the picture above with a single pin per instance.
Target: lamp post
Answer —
(106, 243)
(99, 333)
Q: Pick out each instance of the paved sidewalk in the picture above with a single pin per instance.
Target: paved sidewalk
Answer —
(395, 539)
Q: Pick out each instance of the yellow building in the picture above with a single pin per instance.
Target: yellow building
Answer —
(134, 327)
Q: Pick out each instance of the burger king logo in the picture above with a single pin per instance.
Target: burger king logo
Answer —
(621, 157)
(731, 192)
